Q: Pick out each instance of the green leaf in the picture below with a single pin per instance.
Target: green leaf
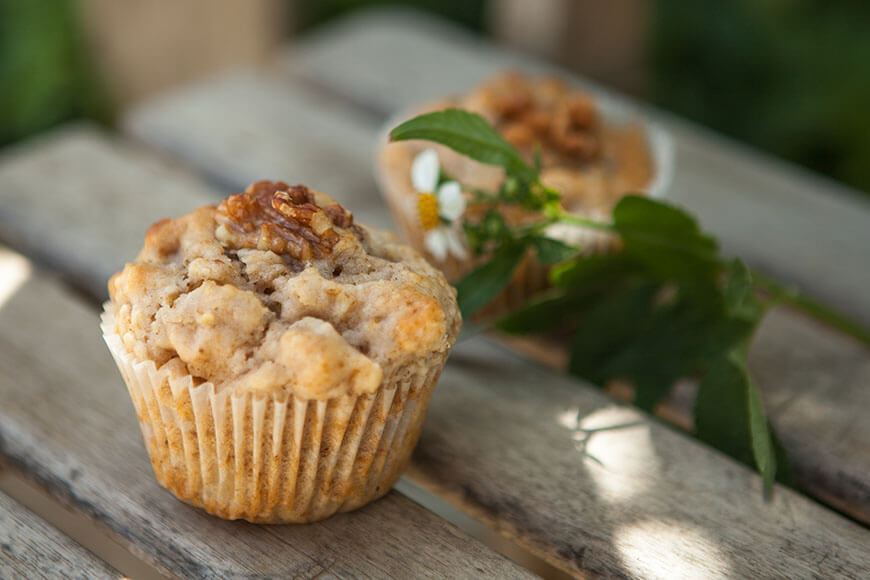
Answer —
(592, 269)
(651, 337)
(739, 292)
(469, 134)
(738, 287)
(729, 416)
(721, 410)
(552, 251)
(612, 321)
(483, 284)
(665, 239)
(762, 446)
(553, 310)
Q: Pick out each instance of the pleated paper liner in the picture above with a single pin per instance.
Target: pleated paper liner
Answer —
(271, 458)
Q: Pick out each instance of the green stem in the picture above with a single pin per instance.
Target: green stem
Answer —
(567, 218)
(789, 296)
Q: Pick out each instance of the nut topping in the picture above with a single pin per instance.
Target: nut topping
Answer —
(555, 117)
(282, 218)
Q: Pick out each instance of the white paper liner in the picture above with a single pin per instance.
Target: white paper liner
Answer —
(271, 458)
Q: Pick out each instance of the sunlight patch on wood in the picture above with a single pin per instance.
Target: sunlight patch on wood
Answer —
(14, 271)
(691, 551)
(617, 450)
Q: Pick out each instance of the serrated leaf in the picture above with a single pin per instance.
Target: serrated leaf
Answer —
(610, 323)
(651, 340)
(665, 239)
(552, 251)
(469, 134)
(729, 416)
(592, 269)
(552, 311)
(738, 287)
(669, 344)
(762, 446)
(721, 411)
(739, 292)
(483, 284)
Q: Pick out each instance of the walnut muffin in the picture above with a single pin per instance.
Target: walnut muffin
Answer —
(280, 357)
(591, 159)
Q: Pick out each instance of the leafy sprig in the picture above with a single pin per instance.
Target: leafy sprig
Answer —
(665, 306)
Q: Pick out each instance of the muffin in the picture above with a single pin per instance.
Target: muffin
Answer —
(590, 156)
(280, 357)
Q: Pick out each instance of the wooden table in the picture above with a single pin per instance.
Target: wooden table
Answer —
(499, 442)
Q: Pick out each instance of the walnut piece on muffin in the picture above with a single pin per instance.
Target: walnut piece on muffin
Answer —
(277, 290)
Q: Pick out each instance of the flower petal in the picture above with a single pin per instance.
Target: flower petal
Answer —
(454, 244)
(424, 171)
(451, 202)
(436, 243)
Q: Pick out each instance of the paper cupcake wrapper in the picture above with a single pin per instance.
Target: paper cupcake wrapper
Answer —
(271, 459)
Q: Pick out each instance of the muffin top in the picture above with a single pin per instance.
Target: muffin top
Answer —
(278, 290)
(591, 161)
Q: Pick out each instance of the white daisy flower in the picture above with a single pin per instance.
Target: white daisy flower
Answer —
(439, 210)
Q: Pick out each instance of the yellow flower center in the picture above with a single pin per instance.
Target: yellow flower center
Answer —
(427, 207)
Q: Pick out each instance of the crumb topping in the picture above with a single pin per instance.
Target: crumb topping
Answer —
(278, 290)
(545, 113)
(591, 162)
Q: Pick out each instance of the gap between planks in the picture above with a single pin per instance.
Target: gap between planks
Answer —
(78, 528)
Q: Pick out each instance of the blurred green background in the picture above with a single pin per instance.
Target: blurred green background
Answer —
(788, 76)
(46, 77)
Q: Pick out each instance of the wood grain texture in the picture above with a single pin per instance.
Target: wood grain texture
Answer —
(67, 421)
(836, 473)
(269, 129)
(816, 385)
(418, 58)
(797, 226)
(499, 440)
(30, 548)
(78, 192)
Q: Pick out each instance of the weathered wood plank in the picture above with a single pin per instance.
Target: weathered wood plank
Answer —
(308, 138)
(67, 422)
(840, 478)
(817, 388)
(815, 385)
(403, 58)
(500, 440)
(30, 548)
(495, 440)
(78, 192)
(797, 226)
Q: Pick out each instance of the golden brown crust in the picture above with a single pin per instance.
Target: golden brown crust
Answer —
(593, 163)
(277, 290)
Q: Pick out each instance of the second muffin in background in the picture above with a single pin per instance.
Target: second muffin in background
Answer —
(591, 150)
